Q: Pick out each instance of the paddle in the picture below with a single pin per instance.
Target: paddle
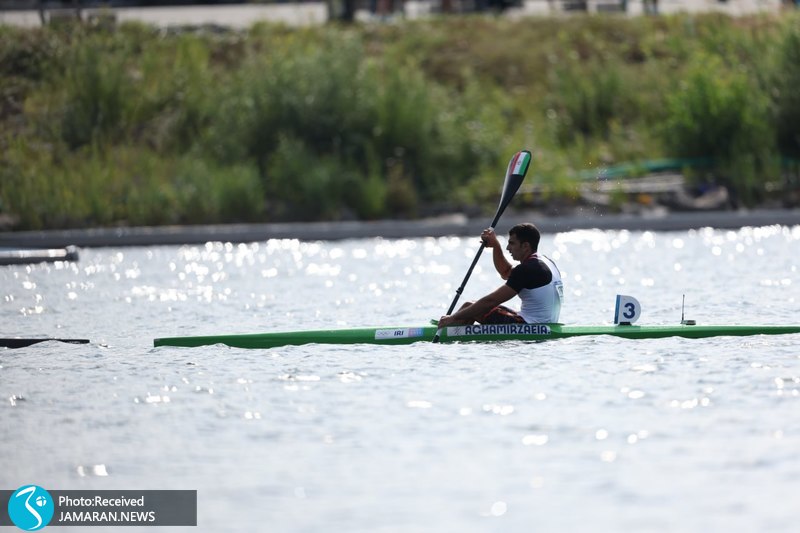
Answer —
(517, 168)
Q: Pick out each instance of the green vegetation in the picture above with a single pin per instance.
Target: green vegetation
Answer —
(106, 125)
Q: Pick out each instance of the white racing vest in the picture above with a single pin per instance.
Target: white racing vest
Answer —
(543, 304)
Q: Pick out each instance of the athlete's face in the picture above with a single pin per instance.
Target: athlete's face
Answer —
(518, 250)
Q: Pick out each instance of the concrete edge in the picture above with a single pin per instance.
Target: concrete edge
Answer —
(453, 225)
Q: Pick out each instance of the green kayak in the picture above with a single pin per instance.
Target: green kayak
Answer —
(480, 333)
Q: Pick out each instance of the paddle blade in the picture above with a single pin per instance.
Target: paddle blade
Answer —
(517, 169)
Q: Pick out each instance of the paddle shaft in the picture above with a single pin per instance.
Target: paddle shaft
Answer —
(460, 289)
(469, 272)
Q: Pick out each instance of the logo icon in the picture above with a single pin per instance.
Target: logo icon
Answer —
(31, 507)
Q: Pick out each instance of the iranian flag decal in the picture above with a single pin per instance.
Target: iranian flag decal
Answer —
(519, 165)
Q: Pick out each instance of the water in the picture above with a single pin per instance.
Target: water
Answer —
(600, 434)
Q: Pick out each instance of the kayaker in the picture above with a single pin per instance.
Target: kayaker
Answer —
(536, 280)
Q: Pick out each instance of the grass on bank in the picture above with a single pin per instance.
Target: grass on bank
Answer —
(131, 125)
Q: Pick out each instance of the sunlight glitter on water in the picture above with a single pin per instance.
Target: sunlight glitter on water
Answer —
(439, 437)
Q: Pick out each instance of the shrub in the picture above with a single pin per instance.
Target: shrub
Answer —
(787, 92)
(585, 98)
(93, 186)
(718, 112)
(359, 128)
(98, 95)
(29, 54)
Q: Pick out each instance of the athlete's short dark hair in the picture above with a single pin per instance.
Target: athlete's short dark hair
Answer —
(526, 233)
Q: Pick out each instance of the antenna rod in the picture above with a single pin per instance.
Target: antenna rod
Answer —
(683, 304)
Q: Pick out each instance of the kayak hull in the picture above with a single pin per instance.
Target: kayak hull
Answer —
(17, 342)
(477, 333)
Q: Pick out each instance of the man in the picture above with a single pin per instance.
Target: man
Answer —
(536, 280)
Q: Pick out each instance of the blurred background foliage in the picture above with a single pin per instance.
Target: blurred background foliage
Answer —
(106, 125)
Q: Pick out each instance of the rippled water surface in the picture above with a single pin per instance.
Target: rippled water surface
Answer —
(582, 434)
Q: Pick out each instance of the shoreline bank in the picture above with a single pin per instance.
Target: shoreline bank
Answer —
(451, 225)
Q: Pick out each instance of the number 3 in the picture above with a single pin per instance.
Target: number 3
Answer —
(630, 310)
(627, 309)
